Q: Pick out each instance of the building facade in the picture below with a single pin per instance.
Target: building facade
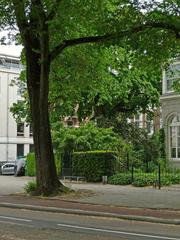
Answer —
(15, 139)
(170, 102)
(150, 124)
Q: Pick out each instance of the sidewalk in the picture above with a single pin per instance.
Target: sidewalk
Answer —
(126, 202)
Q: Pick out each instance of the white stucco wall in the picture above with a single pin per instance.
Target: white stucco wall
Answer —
(8, 126)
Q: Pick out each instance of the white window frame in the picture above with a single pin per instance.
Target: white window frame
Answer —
(176, 126)
(173, 78)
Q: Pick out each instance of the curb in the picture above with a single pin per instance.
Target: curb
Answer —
(91, 213)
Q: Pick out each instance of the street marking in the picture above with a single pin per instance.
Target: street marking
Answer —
(16, 219)
(116, 232)
(13, 223)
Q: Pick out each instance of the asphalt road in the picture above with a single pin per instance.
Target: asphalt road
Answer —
(28, 225)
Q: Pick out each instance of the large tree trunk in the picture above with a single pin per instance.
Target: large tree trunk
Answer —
(38, 87)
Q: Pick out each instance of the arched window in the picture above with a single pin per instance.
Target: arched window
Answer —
(175, 138)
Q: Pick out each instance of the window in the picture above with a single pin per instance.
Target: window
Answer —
(20, 129)
(172, 74)
(31, 147)
(175, 138)
(20, 150)
(149, 124)
(137, 121)
(10, 63)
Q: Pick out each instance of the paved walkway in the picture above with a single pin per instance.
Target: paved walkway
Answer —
(147, 204)
(129, 196)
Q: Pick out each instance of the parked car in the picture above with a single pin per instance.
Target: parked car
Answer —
(7, 168)
(19, 168)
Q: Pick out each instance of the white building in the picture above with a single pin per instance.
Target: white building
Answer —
(15, 139)
(170, 101)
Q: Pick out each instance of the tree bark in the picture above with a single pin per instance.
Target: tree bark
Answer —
(38, 87)
(35, 37)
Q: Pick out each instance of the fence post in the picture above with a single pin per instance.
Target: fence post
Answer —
(132, 173)
(159, 176)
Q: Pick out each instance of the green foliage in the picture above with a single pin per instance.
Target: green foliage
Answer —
(30, 165)
(77, 82)
(94, 164)
(142, 179)
(85, 138)
(141, 147)
(120, 179)
(58, 163)
(174, 178)
(100, 78)
(31, 188)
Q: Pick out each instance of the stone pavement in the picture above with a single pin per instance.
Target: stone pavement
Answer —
(127, 202)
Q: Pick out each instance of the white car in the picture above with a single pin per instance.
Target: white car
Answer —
(7, 168)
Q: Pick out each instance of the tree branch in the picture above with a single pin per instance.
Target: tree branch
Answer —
(116, 35)
(72, 42)
(21, 19)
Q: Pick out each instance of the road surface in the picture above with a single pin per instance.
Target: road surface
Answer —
(17, 224)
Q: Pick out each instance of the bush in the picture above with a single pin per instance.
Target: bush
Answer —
(121, 179)
(30, 165)
(174, 178)
(165, 181)
(94, 164)
(31, 187)
(144, 180)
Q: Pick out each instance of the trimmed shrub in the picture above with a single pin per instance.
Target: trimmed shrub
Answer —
(94, 164)
(30, 165)
(121, 179)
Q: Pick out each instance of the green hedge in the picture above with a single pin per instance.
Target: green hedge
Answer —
(30, 165)
(93, 164)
